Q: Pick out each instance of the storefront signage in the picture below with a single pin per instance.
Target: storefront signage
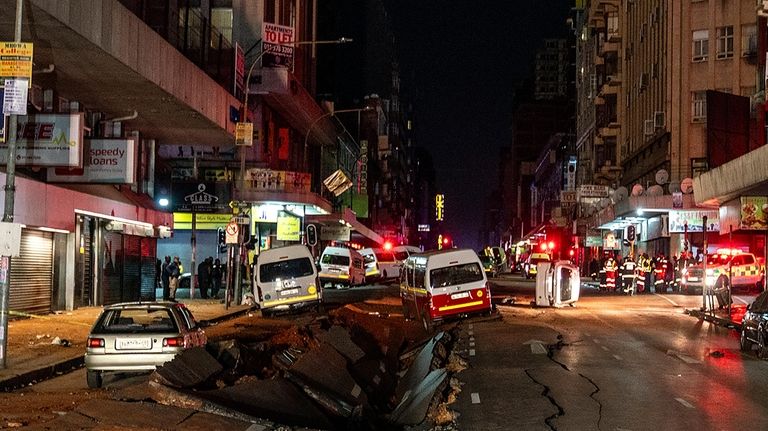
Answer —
(288, 228)
(48, 140)
(277, 45)
(362, 183)
(610, 242)
(16, 59)
(594, 241)
(15, 98)
(204, 221)
(337, 183)
(423, 228)
(439, 207)
(244, 134)
(201, 197)
(270, 180)
(265, 213)
(239, 68)
(335, 233)
(593, 191)
(754, 213)
(107, 161)
(568, 199)
(694, 219)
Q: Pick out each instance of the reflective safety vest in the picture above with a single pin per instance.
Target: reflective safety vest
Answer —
(628, 269)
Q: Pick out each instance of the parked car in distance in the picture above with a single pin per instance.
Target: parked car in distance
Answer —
(754, 326)
(490, 266)
(139, 337)
(529, 268)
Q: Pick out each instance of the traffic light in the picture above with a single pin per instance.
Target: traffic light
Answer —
(311, 235)
(631, 232)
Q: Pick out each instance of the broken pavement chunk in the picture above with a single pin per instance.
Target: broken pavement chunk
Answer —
(188, 369)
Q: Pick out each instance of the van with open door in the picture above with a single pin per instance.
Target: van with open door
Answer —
(441, 284)
(285, 278)
(341, 266)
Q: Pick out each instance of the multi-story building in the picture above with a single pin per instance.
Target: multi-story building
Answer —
(157, 88)
(688, 74)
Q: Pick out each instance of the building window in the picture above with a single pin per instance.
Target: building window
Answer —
(700, 45)
(748, 40)
(699, 107)
(725, 42)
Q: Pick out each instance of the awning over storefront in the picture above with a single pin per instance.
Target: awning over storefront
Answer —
(44, 205)
(349, 218)
(634, 208)
(744, 175)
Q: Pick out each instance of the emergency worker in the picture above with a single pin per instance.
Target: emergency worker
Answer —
(628, 268)
(659, 265)
(610, 274)
(601, 275)
(669, 273)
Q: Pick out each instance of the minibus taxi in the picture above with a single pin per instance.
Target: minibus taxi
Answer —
(440, 284)
(286, 278)
(380, 264)
(341, 266)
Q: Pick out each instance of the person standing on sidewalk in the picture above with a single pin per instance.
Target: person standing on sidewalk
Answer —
(203, 278)
(175, 273)
(166, 278)
(216, 274)
(628, 268)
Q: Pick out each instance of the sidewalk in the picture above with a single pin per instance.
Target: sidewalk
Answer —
(40, 347)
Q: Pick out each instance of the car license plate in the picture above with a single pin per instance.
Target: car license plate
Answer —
(693, 278)
(289, 292)
(460, 295)
(134, 343)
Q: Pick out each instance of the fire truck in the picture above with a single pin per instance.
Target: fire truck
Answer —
(725, 268)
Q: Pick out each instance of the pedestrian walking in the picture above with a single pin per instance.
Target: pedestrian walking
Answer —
(216, 275)
(166, 277)
(174, 273)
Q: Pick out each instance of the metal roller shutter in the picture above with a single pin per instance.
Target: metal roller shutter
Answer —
(148, 265)
(32, 274)
(131, 268)
(111, 268)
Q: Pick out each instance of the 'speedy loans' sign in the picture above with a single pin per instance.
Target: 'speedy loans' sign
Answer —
(107, 161)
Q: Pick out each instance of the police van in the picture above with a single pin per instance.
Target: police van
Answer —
(440, 284)
(286, 278)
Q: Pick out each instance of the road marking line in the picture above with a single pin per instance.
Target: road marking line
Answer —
(471, 352)
(471, 333)
(618, 358)
(471, 344)
(685, 403)
(471, 338)
(604, 348)
(470, 326)
(475, 397)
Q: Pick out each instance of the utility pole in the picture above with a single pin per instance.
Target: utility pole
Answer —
(10, 195)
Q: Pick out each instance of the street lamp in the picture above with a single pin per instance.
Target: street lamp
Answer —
(317, 120)
(248, 82)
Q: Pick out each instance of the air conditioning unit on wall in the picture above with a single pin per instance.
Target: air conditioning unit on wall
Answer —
(648, 128)
(659, 120)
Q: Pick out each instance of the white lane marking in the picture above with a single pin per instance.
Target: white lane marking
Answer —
(471, 338)
(471, 344)
(475, 397)
(596, 340)
(667, 299)
(470, 326)
(685, 403)
(471, 333)
(605, 348)
(471, 352)
(618, 358)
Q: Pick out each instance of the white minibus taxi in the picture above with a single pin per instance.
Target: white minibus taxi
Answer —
(341, 266)
(286, 278)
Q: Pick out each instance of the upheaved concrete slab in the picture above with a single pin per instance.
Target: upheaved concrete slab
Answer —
(377, 382)
(326, 369)
(133, 415)
(420, 367)
(339, 338)
(275, 399)
(188, 369)
(413, 408)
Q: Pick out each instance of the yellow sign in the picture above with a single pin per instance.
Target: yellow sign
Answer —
(288, 228)
(203, 221)
(16, 60)
(244, 134)
(440, 207)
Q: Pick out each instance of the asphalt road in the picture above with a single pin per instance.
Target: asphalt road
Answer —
(612, 362)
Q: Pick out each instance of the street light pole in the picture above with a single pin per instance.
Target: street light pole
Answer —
(239, 253)
(317, 120)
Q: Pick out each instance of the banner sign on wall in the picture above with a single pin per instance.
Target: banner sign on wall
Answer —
(610, 242)
(107, 161)
(288, 228)
(335, 233)
(268, 180)
(754, 213)
(276, 45)
(48, 140)
(203, 196)
(695, 220)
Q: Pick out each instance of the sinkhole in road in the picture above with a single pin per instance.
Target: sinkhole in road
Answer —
(347, 370)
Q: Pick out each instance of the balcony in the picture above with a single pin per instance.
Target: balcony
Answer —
(608, 47)
(612, 131)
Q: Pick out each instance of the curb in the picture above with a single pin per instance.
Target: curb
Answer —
(720, 321)
(54, 370)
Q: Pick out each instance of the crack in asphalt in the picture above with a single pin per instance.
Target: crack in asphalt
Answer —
(592, 395)
(546, 393)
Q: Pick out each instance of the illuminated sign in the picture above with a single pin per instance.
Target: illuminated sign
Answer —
(106, 161)
(49, 140)
(288, 228)
(440, 207)
(16, 59)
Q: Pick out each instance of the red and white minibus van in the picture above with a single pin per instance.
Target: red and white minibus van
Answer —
(441, 284)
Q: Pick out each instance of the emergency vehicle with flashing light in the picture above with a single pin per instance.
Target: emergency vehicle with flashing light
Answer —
(725, 268)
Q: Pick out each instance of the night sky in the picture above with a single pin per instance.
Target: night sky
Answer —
(469, 57)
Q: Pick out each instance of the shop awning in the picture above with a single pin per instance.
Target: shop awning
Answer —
(742, 176)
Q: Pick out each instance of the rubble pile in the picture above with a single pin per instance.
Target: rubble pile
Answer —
(335, 373)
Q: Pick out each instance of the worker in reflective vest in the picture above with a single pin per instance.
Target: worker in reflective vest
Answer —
(659, 266)
(628, 268)
(610, 274)
(643, 268)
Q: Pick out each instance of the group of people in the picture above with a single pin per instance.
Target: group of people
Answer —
(209, 276)
(640, 276)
